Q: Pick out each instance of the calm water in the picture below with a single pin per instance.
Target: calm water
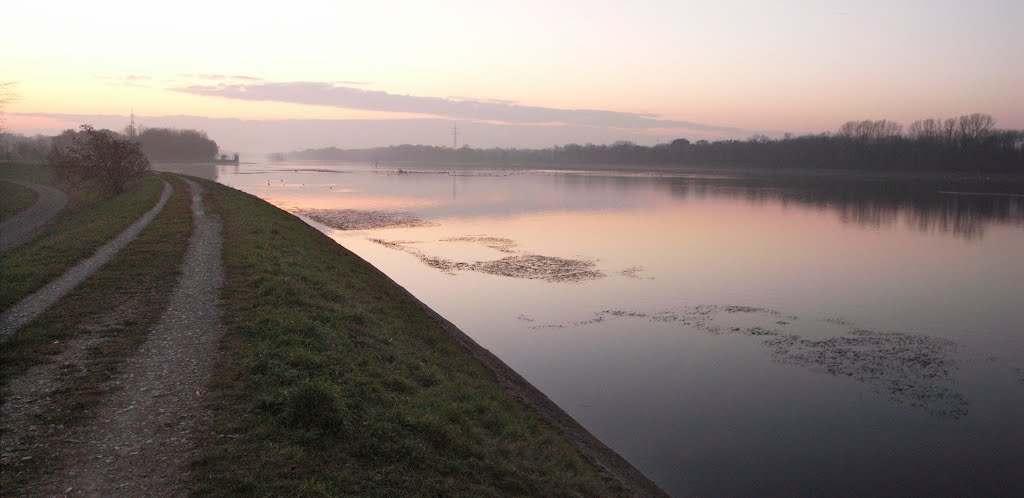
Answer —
(727, 335)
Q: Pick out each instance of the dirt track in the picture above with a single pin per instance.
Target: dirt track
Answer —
(39, 301)
(21, 227)
(142, 439)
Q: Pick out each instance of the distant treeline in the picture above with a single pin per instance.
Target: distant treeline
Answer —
(159, 144)
(967, 143)
(168, 144)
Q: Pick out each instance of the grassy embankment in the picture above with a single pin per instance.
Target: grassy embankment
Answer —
(333, 381)
(29, 171)
(14, 198)
(108, 315)
(90, 220)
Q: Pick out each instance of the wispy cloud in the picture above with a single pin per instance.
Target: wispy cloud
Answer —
(329, 94)
(138, 80)
(495, 101)
(220, 77)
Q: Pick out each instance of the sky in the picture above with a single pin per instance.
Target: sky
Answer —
(277, 76)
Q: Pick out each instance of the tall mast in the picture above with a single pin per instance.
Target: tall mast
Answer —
(131, 126)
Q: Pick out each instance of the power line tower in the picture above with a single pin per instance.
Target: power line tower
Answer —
(132, 131)
(455, 137)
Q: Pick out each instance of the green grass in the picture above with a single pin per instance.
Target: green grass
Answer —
(332, 381)
(117, 305)
(73, 235)
(14, 198)
(29, 171)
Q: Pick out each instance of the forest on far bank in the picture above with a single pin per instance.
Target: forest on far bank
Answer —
(969, 143)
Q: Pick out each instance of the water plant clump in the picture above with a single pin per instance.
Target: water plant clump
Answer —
(911, 369)
(517, 265)
(360, 219)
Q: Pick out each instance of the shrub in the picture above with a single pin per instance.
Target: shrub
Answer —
(100, 155)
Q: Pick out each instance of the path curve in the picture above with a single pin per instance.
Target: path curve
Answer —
(142, 439)
(24, 225)
(39, 301)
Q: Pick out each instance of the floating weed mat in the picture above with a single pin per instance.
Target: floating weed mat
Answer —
(360, 219)
(635, 273)
(501, 244)
(913, 370)
(516, 265)
(547, 268)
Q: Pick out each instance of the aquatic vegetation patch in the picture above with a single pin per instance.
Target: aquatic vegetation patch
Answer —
(547, 268)
(913, 370)
(360, 219)
(517, 265)
(502, 244)
(635, 272)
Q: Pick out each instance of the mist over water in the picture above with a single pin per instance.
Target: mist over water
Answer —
(729, 334)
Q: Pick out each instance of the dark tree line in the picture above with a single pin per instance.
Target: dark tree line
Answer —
(969, 143)
(159, 144)
(20, 147)
(168, 144)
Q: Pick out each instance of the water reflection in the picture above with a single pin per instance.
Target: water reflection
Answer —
(963, 208)
(960, 208)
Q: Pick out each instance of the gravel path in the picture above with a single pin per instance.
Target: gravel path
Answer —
(143, 436)
(21, 227)
(33, 392)
(39, 301)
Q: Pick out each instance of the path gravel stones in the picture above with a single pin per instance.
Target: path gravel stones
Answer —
(21, 227)
(142, 438)
(38, 302)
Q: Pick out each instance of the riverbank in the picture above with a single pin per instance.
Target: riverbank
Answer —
(336, 380)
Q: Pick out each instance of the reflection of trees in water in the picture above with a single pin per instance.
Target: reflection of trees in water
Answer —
(921, 205)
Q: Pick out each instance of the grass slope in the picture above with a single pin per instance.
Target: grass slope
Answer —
(14, 198)
(29, 171)
(73, 235)
(332, 381)
(118, 305)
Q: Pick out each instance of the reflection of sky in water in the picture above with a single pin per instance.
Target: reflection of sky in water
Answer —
(437, 193)
(831, 398)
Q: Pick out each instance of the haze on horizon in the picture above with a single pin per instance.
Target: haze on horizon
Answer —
(510, 74)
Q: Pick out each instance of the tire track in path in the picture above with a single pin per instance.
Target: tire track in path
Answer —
(39, 301)
(23, 226)
(142, 439)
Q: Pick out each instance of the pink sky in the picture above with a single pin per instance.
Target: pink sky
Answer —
(511, 73)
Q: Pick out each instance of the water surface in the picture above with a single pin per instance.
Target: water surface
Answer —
(728, 334)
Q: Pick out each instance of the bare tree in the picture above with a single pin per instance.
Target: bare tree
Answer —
(949, 131)
(871, 131)
(848, 130)
(974, 127)
(7, 96)
(925, 129)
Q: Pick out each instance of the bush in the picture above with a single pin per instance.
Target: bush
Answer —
(100, 155)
